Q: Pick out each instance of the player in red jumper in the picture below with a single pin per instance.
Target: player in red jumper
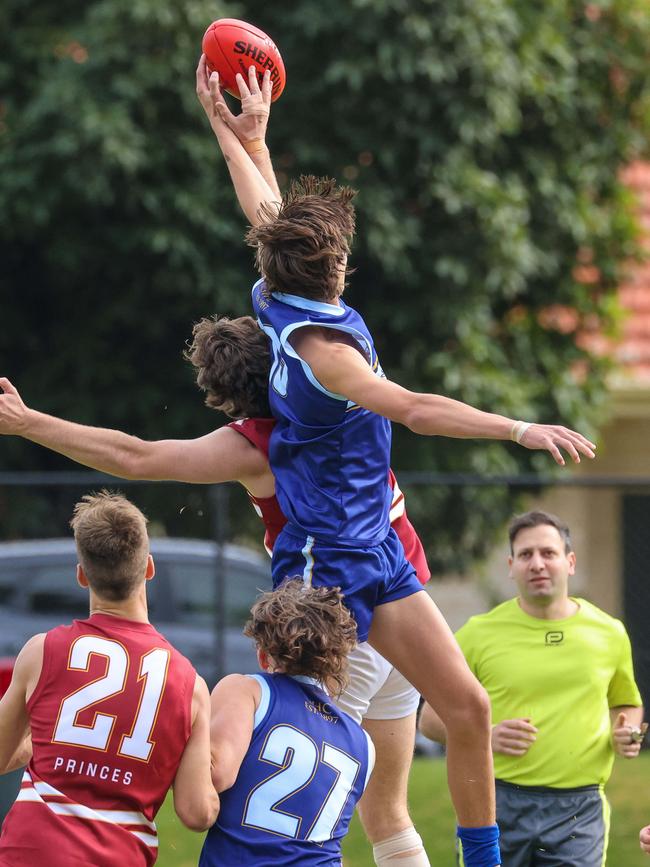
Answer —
(232, 363)
(117, 716)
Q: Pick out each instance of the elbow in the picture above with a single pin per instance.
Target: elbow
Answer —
(424, 729)
(133, 462)
(415, 417)
(201, 816)
(433, 733)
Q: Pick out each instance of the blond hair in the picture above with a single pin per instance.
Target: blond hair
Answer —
(112, 543)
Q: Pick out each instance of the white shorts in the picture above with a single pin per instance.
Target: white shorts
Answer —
(375, 689)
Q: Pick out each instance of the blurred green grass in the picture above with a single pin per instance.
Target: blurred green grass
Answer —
(434, 819)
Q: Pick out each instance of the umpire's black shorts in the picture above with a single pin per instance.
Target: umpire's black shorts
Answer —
(543, 827)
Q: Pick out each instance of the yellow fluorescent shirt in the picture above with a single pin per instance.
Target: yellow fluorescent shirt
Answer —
(562, 674)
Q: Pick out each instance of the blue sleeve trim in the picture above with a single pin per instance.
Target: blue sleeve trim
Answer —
(371, 758)
(307, 304)
(290, 351)
(265, 701)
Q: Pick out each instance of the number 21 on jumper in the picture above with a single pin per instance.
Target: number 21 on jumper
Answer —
(136, 743)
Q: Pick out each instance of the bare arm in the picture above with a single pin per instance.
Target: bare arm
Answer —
(431, 726)
(250, 125)
(195, 800)
(252, 190)
(343, 370)
(22, 756)
(511, 737)
(14, 720)
(220, 456)
(234, 702)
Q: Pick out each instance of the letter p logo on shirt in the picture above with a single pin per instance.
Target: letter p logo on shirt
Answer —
(556, 637)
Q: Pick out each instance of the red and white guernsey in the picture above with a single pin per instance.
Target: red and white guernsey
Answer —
(110, 717)
(258, 432)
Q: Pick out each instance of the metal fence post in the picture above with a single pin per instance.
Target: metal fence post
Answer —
(220, 515)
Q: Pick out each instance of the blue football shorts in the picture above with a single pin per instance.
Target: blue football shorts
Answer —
(367, 576)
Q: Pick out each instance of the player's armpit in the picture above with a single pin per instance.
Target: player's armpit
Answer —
(21, 757)
(342, 369)
(234, 702)
(195, 800)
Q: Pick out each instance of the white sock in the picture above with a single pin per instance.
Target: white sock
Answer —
(402, 850)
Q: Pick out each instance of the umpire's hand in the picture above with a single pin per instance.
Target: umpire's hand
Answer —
(513, 737)
(644, 839)
(624, 743)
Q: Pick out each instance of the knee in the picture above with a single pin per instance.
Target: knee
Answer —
(383, 818)
(470, 713)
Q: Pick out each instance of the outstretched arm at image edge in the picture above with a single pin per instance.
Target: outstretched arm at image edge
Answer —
(220, 456)
(15, 744)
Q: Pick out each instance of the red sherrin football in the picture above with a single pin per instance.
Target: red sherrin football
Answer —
(232, 46)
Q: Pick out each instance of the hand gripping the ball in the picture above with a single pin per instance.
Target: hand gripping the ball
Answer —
(250, 125)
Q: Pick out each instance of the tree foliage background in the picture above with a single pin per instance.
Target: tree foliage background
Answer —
(485, 139)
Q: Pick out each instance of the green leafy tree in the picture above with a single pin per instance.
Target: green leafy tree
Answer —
(485, 139)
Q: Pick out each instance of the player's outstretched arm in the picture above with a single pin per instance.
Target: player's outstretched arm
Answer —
(15, 743)
(250, 124)
(343, 370)
(220, 456)
(234, 701)
(252, 190)
(195, 800)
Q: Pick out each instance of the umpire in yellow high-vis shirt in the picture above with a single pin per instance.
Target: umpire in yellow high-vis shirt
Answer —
(559, 675)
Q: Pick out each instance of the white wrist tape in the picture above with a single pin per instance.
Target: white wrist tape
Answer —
(518, 430)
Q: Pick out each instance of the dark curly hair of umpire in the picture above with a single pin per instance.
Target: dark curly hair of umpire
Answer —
(306, 630)
(302, 247)
(232, 360)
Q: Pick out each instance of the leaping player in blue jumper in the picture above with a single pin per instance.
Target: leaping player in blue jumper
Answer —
(330, 448)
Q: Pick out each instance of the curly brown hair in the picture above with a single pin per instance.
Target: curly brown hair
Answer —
(112, 544)
(306, 630)
(302, 247)
(232, 360)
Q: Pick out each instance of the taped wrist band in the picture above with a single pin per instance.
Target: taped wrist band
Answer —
(518, 430)
(254, 145)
